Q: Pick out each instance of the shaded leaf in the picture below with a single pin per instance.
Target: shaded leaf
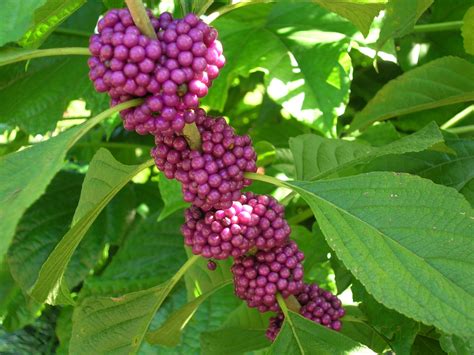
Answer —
(441, 82)
(170, 191)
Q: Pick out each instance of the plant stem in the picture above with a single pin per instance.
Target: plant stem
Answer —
(463, 129)
(265, 178)
(20, 55)
(458, 117)
(300, 217)
(438, 27)
(140, 17)
(68, 31)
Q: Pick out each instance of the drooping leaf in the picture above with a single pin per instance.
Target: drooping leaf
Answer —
(360, 12)
(299, 335)
(468, 30)
(47, 18)
(171, 194)
(17, 17)
(105, 178)
(441, 82)
(307, 66)
(400, 18)
(404, 238)
(26, 174)
(317, 157)
(169, 334)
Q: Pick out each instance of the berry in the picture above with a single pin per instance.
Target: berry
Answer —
(211, 265)
(251, 221)
(318, 305)
(258, 278)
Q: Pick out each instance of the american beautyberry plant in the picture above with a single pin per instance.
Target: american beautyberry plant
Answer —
(209, 177)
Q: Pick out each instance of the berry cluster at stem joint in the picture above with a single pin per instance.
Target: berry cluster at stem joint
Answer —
(258, 278)
(318, 305)
(253, 221)
(212, 177)
(172, 71)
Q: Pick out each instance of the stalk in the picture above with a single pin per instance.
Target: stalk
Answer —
(438, 27)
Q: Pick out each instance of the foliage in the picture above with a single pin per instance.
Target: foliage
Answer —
(363, 124)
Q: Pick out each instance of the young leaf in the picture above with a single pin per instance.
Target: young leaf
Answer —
(468, 31)
(47, 18)
(317, 157)
(441, 82)
(256, 37)
(299, 335)
(171, 194)
(169, 334)
(25, 174)
(103, 324)
(403, 237)
(104, 179)
(16, 18)
(360, 12)
(400, 18)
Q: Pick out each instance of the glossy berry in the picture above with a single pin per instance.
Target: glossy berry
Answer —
(211, 265)
(258, 278)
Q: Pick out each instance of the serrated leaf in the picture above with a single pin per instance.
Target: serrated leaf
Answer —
(47, 18)
(441, 82)
(403, 237)
(16, 17)
(104, 179)
(293, 40)
(118, 324)
(468, 31)
(170, 191)
(400, 18)
(299, 335)
(360, 12)
(317, 157)
(25, 174)
(169, 334)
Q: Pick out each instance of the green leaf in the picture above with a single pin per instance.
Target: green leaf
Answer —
(360, 12)
(172, 196)
(468, 31)
(169, 334)
(400, 18)
(300, 47)
(405, 238)
(118, 324)
(63, 330)
(25, 174)
(47, 18)
(454, 345)
(317, 157)
(17, 17)
(468, 192)
(299, 335)
(104, 179)
(441, 82)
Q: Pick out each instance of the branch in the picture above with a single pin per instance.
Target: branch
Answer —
(140, 17)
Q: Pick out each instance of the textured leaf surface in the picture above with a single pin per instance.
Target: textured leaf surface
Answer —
(104, 179)
(300, 47)
(16, 17)
(47, 18)
(299, 335)
(406, 239)
(360, 12)
(441, 82)
(172, 196)
(468, 31)
(317, 157)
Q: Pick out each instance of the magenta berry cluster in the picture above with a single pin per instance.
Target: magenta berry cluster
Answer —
(253, 221)
(317, 305)
(258, 278)
(171, 73)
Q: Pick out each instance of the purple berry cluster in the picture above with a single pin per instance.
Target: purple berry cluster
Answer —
(213, 177)
(253, 221)
(318, 305)
(258, 278)
(172, 71)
